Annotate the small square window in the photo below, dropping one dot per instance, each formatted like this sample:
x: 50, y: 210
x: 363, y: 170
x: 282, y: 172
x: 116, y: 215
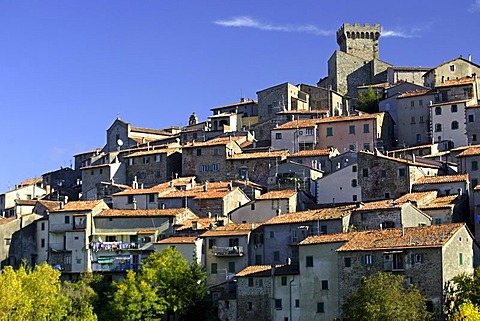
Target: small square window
x: 249, y: 306
x: 402, y: 172
x: 366, y: 128
x: 199, y: 152
x: 354, y: 168
x: 324, y: 284
x: 250, y: 282
x: 454, y: 108
x: 278, y: 135
x: 284, y: 280
x: 365, y: 172
x: 351, y: 129
x: 278, y: 304
x: 297, y: 303
x: 276, y: 256
x: 309, y: 261
x: 329, y: 131
x: 213, y: 268
x: 320, y: 307
x: 348, y: 262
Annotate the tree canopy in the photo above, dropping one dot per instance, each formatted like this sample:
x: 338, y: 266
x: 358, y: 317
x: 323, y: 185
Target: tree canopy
x: 368, y: 102
x: 165, y: 284
x: 463, y: 288
x: 384, y: 297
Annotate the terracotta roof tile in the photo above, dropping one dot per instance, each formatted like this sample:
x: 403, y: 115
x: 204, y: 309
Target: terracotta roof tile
x: 441, y: 179
x: 441, y: 202
x: 202, y: 224
x: 246, y: 102
x: 327, y: 238
x: 377, y: 205
x: 26, y: 202
x: 50, y: 205
x: 299, y: 123
x: 470, y: 151
x: 143, y: 213
x: 312, y: 152
x: 473, y: 106
x: 349, y: 118
x: 333, y: 213
x: 415, y: 93
x: 401, y: 160
x: 456, y: 82
x: 153, y: 152
x: 410, y: 237
x: 266, y: 270
x: 79, y: 206
x: 231, y: 229
x: 216, y: 141
x: 178, y: 240
x: 417, y: 196
x: 272, y: 154
x: 287, y: 193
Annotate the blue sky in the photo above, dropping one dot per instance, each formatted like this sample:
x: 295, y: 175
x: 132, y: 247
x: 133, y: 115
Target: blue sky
x: 68, y: 68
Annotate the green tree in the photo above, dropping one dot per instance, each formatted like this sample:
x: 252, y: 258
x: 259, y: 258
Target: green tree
x: 384, y: 297
x: 467, y: 311
x: 166, y: 284
x: 368, y: 102
x: 81, y: 298
x: 462, y: 288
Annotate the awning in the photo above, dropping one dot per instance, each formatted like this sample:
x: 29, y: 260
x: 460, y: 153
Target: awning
x: 105, y: 260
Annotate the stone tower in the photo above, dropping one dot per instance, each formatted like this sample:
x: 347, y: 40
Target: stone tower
x: 360, y: 41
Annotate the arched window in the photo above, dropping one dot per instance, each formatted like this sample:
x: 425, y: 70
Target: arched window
x: 348, y: 34
x: 454, y: 124
x: 362, y: 35
x: 358, y: 34
x: 371, y: 35
x: 367, y: 35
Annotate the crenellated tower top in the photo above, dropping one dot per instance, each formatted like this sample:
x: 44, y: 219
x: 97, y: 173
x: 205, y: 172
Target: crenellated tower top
x: 359, y: 40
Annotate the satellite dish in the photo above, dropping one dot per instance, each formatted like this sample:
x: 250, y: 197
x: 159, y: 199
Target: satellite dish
x: 119, y: 142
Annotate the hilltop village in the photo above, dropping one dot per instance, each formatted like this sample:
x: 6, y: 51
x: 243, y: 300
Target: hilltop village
x: 286, y: 200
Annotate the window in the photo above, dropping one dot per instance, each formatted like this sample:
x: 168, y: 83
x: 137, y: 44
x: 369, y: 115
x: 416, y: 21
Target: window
x: 402, y: 172
x: 252, y: 206
x: 199, y: 152
x: 383, y: 173
x: 320, y: 307
x: 454, y: 124
x: 348, y: 262
x: 215, y: 152
x: 471, y: 118
x: 276, y: 256
x: 151, y: 198
x: 42, y: 226
x: 366, y: 128
x: 42, y: 243
x: 278, y: 135
x: 454, y: 108
x: 387, y: 195
x: 213, y: 268
x: 211, y: 243
x: 249, y: 306
x: 67, y: 219
x: 351, y: 147
x: 272, y: 234
x: 393, y: 261
x: 420, y: 102
x: 460, y: 258
x: 412, y: 103
x: 438, y: 110
x: 297, y: 303
x: 419, y: 138
x: 417, y: 258
x: 231, y: 267
x: 421, y: 119
x: 323, y: 229
x: 329, y: 131
x: 474, y: 165
x: 366, y: 146
x: 284, y: 280
x: 309, y: 261
x: 215, y: 167
x: 412, y: 121
x: 365, y: 172
x: 438, y: 220
x: 250, y: 282
x: 354, y: 168
x: 146, y: 159
x: 368, y: 259
x: 309, y: 131
x: 227, y: 304
x: 474, y: 137
x: 452, y: 67
x: 438, y: 127
x: 354, y: 198
x: 158, y: 158
x: 130, y: 161
x: 354, y: 183
x: 204, y: 168
x: 324, y: 284
x: 351, y: 129
x: 278, y: 304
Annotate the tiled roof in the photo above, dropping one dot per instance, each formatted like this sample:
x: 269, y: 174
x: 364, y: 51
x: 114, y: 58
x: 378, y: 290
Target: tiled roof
x: 299, y: 123
x: 287, y: 193
x: 448, y: 103
x: 327, y: 238
x: 231, y: 229
x: 178, y: 240
x: 470, y: 151
x: 202, y: 224
x: 153, y: 152
x: 332, y: 213
x: 272, y: 154
x: 143, y: 213
x: 395, y: 239
x: 441, y: 179
x: 303, y: 112
x: 477, y: 188
x: 456, y: 82
x: 26, y: 202
x: 146, y: 232
x: 415, y: 93
x: 214, y: 190
x: 216, y: 141
x: 377, y: 205
x: 401, y: 160
x: 416, y: 196
x: 312, y: 152
x: 50, y: 205
x: 150, y: 131
x: 79, y: 206
x: 349, y: 118
x: 441, y: 202
x: 246, y: 102
x: 30, y: 181
x: 266, y: 270
x: 160, y: 188
x: 473, y: 106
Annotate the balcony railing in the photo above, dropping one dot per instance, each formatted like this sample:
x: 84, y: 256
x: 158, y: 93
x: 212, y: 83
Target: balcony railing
x: 228, y: 251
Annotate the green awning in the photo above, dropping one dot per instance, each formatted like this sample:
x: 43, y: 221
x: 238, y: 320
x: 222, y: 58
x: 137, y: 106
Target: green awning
x: 105, y: 260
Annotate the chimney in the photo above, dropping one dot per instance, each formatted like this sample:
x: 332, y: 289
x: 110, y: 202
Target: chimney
x: 289, y: 261
x: 469, y: 57
x: 62, y: 205
x: 205, y: 186
x: 413, y: 158
x: 134, y: 204
x: 229, y: 187
x: 65, y: 199
x: 194, y: 225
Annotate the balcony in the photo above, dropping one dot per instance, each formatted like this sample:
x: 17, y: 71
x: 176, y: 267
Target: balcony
x: 112, y: 246
x: 228, y: 251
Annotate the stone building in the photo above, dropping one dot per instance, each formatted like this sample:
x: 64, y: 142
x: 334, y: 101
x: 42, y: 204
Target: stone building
x: 246, y: 109
x: 208, y: 160
x: 296, y: 135
x: 276, y: 239
x: 254, y: 166
x: 190, y: 247
x: 383, y: 177
x: 473, y: 124
x: 326, y: 100
x: 267, y: 292
x: 27, y: 192
x: 340, y: 186
x: 154, y: 166
x: 320, y: 159
x: 451, y: 70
